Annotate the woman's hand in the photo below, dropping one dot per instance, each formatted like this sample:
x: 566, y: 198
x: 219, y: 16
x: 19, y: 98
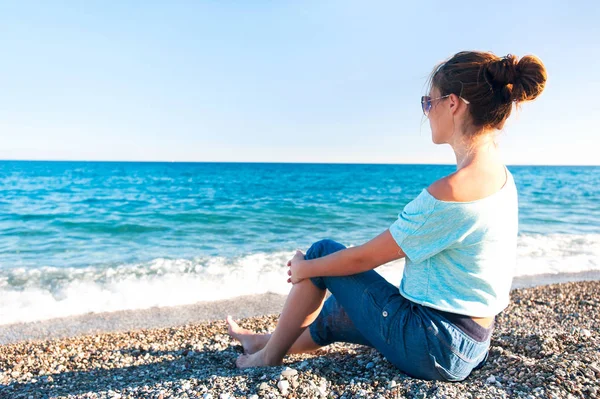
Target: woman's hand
x: 297, y: 265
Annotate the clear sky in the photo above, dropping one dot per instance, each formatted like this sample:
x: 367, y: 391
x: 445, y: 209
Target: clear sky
x: 280, y: 81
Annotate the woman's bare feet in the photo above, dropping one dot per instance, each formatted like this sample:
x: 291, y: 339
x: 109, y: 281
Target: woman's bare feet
x: 255, y: 360
x: 251, y: 341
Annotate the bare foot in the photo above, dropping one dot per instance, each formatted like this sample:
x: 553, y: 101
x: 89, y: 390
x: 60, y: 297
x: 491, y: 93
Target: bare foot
x: 251, y: 341
x: 255, y: 360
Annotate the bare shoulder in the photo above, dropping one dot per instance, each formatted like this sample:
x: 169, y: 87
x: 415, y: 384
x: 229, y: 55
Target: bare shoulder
x: 444, y: 189
x: 468, y: 184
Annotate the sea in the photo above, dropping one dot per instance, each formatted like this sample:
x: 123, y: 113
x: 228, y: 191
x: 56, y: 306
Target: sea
x: 81, y: 237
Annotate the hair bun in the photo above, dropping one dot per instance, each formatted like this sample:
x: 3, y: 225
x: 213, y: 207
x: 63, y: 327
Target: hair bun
x: 516, y: 80
x: 531, y: 79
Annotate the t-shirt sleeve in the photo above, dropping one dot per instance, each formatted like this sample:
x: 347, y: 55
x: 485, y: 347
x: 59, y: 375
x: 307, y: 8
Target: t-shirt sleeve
x: 424, y: 228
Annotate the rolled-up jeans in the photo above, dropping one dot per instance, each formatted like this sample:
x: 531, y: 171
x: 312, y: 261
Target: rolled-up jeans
x: 366, y: 309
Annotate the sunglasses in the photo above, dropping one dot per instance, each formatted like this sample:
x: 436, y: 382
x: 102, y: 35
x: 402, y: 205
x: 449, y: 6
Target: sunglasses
x: 426, y: 103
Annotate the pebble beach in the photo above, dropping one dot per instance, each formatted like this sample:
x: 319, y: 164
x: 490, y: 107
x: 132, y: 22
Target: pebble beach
x: 546, y: 345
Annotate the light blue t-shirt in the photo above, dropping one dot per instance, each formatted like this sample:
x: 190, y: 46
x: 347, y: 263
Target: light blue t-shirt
x: 461, y: 256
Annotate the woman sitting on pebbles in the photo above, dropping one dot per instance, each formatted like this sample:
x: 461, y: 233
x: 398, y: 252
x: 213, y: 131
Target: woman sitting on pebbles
x: 459, y: 237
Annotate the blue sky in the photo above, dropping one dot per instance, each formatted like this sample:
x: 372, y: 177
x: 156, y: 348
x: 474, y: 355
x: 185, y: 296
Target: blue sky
x: 280, y: 81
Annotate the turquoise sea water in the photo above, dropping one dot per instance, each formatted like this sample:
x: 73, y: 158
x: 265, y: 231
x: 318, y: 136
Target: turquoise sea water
x: 96, y: 236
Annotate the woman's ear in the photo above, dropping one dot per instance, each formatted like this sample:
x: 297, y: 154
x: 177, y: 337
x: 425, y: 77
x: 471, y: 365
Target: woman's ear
x: 453, y: 103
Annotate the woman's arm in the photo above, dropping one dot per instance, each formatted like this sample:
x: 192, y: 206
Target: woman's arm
x: 378, y: 251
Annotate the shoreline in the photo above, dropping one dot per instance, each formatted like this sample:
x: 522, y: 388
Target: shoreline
x: 545, y: 344
x: 173, y: 316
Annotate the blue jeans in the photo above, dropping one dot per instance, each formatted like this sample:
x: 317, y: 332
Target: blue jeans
x: 366, y: 309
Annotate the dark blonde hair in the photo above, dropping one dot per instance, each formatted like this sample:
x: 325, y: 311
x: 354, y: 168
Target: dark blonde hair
x: 490, y: 83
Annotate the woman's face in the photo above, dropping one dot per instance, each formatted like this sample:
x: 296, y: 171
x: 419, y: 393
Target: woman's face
x: 440, y: 118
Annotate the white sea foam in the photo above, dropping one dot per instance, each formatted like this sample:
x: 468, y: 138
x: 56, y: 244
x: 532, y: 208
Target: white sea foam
x: 30, y: 295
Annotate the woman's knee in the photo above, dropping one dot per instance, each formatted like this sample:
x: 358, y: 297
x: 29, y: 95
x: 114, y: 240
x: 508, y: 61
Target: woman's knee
x: 322, y: 248
x: 319, y: 249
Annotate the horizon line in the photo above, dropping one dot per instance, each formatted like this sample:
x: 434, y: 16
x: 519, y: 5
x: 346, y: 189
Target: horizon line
x: 265, y: 162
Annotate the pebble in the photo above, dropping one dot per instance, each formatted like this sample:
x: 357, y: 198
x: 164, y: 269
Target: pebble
x: 321, y: 391
x: 288, y: 372
x: 585, y: 332
x: 491, y: 379
x: 370, y: 365
x: 263, y: 386
x: 283, y: 386
x: 303, y: 365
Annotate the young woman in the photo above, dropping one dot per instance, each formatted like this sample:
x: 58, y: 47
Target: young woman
x: 459, y: 237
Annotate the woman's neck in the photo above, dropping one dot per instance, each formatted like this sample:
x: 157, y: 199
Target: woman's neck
x: 483, y: 150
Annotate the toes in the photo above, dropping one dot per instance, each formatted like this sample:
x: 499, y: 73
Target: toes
x: 231, y: 323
